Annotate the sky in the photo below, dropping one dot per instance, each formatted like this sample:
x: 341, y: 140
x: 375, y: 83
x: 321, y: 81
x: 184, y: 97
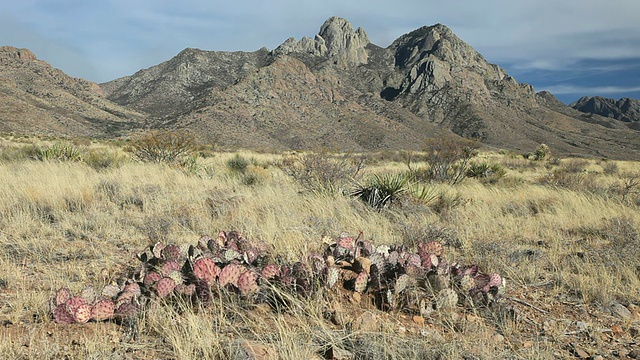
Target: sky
x: 572, y: 48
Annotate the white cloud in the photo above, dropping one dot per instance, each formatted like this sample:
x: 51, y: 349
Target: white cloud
x: 570, y: 89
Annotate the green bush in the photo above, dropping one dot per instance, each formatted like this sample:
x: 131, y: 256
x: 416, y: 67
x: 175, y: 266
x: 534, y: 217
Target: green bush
x: 542, y: 152
x: 238, y: 164
x: 486, y: 172
x: 382, y: 190
x: 101, y: 159
x: 60, y: 151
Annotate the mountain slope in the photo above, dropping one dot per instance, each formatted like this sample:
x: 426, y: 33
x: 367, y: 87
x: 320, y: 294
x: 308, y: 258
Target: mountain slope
x: 340, y: 91
x: 36, y: 98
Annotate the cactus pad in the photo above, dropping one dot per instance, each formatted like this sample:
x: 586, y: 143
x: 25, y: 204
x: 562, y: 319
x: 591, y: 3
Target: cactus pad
x: 431, y: 247
x: 62, y: 315
x: 247, y: 283
x: 230, y: 274
x: 82, y: 314
x: 62, y: 295
x: 103, y: 310
x: 270, y: 272
x: 446, y: 299
x: 74, y: 303
x: 151, y: 278
x: 169, y: 267
x: 165, y: 286
x: 360, y: 284
x: 206, y: 269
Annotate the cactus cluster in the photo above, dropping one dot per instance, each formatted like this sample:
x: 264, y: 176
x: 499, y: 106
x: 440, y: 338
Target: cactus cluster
x: 112, y: 302
x: 420, y: 281
x: 392, y: 277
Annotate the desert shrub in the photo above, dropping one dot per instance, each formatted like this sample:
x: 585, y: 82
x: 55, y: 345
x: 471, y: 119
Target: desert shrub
x: 628, y: 190
x: 448, y: 159
x: 162, y: 146
x: 610, y: 167
x: 542, y: 152
x: 60, y: 151
x: 100, y: 159
x: 18, y: 153
x: 322, y: 172
x: 238, y: 164
x: 575, y: 165
x: 382, y: 190
x: 447, y: 201
x: 573, y: 181
x: 254, y: 175
x: 486, y: 172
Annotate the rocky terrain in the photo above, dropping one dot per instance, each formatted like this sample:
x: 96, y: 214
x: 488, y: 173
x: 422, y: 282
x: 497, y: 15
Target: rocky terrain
x: 336, y: 91
x: 625, y: 109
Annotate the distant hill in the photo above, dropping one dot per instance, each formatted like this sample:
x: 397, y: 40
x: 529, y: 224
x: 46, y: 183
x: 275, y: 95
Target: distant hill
x: 336, y: 90
x: 625, y: 109
x: 36, y: 98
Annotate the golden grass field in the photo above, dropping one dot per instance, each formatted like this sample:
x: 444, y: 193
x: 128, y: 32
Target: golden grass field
x: 568, y: 247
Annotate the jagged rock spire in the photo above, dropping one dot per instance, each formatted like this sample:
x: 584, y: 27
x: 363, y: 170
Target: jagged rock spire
x: 336, y: 40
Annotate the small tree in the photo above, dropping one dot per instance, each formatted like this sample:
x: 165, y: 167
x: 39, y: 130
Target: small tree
x: 162, y: 146
x: 448, y: 159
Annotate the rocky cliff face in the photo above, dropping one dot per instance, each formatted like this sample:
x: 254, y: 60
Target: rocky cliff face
x: 625, y: 109
x: 39, y: 99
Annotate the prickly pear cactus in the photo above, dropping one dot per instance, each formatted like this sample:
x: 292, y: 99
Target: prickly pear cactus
x: 248, y: 283
x: 165, y: 286
x: 206, y: 269
x: 103, y: 310
x: 230, y: 274
x: 393, y: 276
x: 360, y: 284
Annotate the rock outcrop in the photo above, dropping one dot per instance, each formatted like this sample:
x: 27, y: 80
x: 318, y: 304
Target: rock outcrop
x: 625, y: 109
x: 336, y: 41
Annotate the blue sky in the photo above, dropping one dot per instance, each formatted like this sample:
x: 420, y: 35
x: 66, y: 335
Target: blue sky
x: 569, y: 47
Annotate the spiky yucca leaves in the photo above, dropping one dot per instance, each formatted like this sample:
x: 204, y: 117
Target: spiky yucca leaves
x: 382, y: 190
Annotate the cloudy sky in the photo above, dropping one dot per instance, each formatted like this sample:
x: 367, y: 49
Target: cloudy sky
x: 569, y: 47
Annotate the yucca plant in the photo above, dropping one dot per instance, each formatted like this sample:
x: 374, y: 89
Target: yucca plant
x: 59, y: 151
x: 382, y: 190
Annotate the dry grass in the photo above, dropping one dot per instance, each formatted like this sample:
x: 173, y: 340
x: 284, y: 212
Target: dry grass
x: 563, y: 250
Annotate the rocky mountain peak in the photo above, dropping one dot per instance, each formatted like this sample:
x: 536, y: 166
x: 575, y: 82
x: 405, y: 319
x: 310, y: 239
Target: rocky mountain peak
x: 337, y: 40
x: 11, y: 54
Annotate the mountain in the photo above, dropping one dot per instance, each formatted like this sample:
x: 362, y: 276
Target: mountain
x: 340, y: 91
x: 36, y: 98
x: 625, y: 109
x: 336, y: 90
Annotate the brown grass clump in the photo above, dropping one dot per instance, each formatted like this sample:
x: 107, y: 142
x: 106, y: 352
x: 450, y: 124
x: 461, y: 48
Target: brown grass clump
x: 568, y: 253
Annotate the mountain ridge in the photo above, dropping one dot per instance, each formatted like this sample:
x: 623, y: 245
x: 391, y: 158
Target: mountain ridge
x: 338, y: 90
x: 624, y: 109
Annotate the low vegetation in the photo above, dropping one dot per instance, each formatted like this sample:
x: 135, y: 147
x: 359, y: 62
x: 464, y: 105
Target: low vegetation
x: 564, y: 235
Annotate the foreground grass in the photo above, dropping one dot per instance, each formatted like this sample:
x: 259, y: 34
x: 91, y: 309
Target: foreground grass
x: 565, y: 249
